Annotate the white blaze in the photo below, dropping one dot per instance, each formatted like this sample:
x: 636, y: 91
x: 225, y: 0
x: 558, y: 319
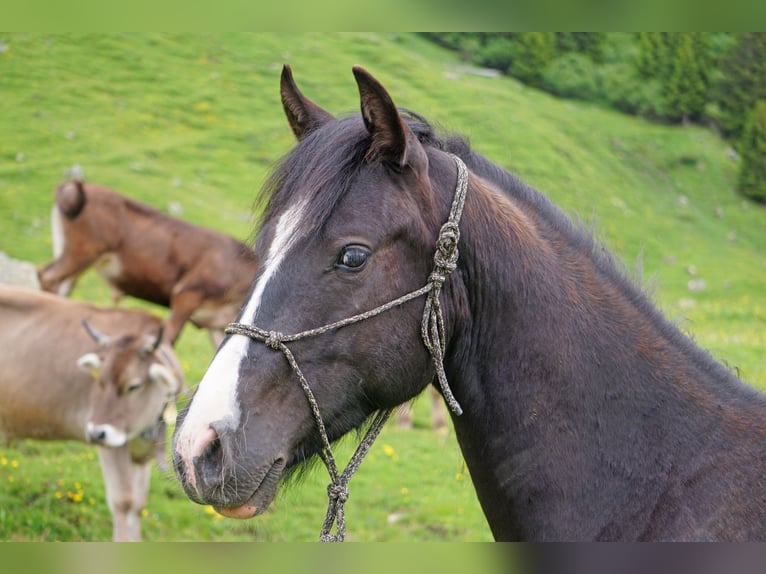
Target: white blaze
x: 215, y: 399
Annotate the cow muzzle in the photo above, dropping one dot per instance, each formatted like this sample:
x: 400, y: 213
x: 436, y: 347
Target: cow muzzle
x: 105, y: 435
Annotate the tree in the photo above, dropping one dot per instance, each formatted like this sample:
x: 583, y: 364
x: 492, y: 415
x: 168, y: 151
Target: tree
x: 742, y: 82
x: 751, y: 179
x: 686, y: 86
x: 589, y: 43
x: 652, y: 56
x: 532, y: 51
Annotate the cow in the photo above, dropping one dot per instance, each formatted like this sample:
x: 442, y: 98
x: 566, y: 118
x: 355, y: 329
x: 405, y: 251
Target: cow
x: 202, y: 275
x: 73, y: 371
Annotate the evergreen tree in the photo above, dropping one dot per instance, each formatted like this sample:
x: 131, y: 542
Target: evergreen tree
x: 652, y: 55
x: 685, y: 88
x: 589, y: 43
x: 532, y: 52
x: 751, y: 179
x: 742, y: 83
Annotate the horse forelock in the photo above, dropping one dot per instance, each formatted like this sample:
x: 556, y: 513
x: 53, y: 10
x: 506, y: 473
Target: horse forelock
x: 322, y: 166
x: 317, y: 171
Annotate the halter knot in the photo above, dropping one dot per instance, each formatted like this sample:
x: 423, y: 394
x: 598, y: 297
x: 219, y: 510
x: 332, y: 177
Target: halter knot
x: 437, y: 277
x: 274, y: 340
x: 337, y: 492
x: 446, y: 253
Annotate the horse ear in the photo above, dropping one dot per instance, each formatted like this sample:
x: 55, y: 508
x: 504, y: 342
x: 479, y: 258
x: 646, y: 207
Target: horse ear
x: 392, y: 139
x: 303, y: 115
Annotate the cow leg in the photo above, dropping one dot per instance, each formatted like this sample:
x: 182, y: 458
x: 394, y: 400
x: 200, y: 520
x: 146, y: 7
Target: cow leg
x: 182, y: 305
x: 404, y: 416
x: 127, y: 490
x: 438, y: 412
x: 59, y: 276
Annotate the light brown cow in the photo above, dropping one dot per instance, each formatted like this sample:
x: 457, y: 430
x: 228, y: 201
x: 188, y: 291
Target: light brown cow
x: 57, y: 383
x: 200, y: 274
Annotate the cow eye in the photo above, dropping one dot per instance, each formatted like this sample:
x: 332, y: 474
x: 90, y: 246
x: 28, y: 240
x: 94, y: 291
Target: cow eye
x: 352, y: 257
x: 135, y: 385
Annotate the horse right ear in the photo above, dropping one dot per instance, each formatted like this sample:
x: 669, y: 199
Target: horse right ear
x: 392, y: 140
x: 303, y: 115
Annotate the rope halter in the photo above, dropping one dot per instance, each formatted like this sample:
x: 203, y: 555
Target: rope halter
x: 432, y: 333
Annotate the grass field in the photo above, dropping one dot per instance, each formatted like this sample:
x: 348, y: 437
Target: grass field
x: 193, y: 123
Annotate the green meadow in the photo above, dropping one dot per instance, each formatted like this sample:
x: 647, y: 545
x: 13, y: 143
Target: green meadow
x: 192, y: 124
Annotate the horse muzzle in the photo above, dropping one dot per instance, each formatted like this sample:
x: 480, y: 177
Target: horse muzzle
x: 236, y: 484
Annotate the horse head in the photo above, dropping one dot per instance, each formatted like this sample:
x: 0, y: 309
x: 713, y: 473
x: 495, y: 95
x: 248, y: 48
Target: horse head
x: 351, y: 220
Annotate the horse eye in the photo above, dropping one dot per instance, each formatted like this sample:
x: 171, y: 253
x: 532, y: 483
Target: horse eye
x: 352, y: 257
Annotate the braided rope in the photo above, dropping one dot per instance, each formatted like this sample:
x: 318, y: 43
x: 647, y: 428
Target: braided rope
x: 432, y: 333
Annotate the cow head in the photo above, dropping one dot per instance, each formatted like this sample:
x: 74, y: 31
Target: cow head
x: 136, y: 381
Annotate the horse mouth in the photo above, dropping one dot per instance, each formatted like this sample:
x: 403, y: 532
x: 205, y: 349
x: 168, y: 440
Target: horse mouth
x: 261, y: 497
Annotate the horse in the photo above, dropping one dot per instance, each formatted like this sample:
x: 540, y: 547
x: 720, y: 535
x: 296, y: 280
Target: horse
x: 582, y: 413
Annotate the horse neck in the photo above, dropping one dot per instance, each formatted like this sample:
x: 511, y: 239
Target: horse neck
x: 563, y: 370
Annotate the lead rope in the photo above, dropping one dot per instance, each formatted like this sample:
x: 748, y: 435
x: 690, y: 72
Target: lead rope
x: 432, y: 332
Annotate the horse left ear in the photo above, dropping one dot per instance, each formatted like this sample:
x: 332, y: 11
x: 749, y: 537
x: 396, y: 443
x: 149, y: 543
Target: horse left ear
x: 392, y: 140
x: 303, y: 115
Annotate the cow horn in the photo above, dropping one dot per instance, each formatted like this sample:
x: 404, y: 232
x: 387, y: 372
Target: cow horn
x: 100, y: 338
x: 158, y: 341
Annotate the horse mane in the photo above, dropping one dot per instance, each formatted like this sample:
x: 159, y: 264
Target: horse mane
x: 324, y: 164
x: 580, y: 237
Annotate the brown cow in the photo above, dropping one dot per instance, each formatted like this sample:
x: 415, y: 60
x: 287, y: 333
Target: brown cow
x: 131, y: 379
x: 200, y: 274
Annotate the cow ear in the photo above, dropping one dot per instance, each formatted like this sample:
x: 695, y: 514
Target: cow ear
x: 393, y: 142
x: 162, y: 375
x: 303, y: 115
x: 90, y: 363
x: 152, y: 343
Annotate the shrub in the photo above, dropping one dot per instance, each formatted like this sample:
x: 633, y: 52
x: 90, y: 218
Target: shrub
x: 532, y: 52
x: 496, y: 53
x: 572, y: 75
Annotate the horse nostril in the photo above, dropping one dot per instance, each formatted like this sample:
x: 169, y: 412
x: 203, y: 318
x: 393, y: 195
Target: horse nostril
x: 209, y: 458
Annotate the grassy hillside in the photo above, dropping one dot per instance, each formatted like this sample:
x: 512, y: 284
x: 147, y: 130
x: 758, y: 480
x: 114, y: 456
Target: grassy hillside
x: 194, y: 122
